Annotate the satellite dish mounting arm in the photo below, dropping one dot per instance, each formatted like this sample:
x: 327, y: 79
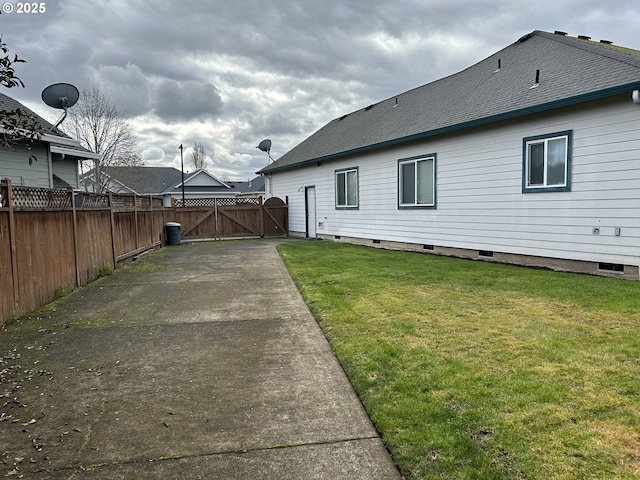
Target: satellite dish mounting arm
x: 265, y: 146
x: 62, y: 96
x: 64, y: 104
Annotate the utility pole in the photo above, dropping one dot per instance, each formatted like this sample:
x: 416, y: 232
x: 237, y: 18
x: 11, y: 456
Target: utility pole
x: 182, y: 169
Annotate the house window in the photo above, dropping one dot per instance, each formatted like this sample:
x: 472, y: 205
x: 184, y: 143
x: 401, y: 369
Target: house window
x: 547, y: 162
x: 417, y: 182
x: 347, y: 188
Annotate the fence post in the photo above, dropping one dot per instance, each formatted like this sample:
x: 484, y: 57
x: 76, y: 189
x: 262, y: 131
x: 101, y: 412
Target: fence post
x: 12, y: 243
x: 164, y: 221
x: 113, y: 231
x: 135, y: 221
x: 286, y: 216
x: 75, y: 236
x: 261, y: 219
x: 152, y: 231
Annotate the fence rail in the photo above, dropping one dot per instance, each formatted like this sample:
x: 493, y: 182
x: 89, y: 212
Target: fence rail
x: 231, y: 217
x: 52, y: 241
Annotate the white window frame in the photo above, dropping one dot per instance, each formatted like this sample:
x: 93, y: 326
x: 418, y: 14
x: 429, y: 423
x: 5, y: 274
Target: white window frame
x: 415, y: 161
x: 346, y: 205
x: 544, y: 140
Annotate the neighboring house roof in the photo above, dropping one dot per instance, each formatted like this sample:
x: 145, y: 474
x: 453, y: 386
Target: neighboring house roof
x: 144, y: 180
x: 60, y: 142
x: 202, y: 182
x: 254, y: 185
x: 59, y: 182
x: 539, y: 72
x: 8, y: 103
x: 162, y: 180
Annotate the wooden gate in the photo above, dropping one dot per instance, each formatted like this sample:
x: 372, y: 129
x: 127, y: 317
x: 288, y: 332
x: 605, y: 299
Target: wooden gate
x: 230, y: 217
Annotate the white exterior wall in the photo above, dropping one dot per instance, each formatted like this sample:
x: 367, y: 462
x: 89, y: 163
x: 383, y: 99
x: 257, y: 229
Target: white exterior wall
x: 480, y: 204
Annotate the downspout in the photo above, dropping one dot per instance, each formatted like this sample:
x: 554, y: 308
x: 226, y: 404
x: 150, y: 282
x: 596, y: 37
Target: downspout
x: 50, y: 165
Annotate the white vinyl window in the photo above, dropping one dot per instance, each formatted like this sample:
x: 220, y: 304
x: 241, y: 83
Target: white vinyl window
x: 546, y: 162
x: 347, y: 188
x: 417, y: 182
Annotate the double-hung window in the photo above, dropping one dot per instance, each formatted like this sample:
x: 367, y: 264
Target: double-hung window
x: 547, y: 163
x: 417, y: 182
x: 347, y: 188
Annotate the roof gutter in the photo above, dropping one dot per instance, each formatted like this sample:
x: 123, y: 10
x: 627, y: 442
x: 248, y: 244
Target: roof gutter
x: 75, y: 153
x: 522, y: 112
x: 71, y: 142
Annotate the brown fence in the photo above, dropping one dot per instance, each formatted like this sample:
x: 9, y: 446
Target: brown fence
x: 231, y: 217
x: 54, y: 240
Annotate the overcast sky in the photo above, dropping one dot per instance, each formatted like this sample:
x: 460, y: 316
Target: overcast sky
x: 230, y: 73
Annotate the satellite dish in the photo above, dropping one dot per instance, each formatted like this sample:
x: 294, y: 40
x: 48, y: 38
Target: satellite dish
x: 265, y: 146
x: 60, y: 95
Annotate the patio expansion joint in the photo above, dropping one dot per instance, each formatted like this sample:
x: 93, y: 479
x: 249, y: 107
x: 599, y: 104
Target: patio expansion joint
x: 204, y: 455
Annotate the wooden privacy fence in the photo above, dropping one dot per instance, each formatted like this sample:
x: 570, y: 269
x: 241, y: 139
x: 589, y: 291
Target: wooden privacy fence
x: 231, y: 217
x: 52, y: 241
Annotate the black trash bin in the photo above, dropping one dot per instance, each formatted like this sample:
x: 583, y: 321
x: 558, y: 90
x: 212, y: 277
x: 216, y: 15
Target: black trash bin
x: 173, y: 233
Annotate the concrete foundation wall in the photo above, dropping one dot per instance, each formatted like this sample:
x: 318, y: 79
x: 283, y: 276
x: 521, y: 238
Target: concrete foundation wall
x: 629, y: 272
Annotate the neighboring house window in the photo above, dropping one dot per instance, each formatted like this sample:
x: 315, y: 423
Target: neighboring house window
x: 417, y: 182
x: 347, y: 188
x: 547, y: 163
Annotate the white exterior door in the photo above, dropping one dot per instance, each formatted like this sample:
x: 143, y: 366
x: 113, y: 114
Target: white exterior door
x: 310, y: 207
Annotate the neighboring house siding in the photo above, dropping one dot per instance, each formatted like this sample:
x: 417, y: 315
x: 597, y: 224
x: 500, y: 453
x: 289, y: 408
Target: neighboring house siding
x: 15, y: 166
x: 67, y: 170
x: 480, y: 203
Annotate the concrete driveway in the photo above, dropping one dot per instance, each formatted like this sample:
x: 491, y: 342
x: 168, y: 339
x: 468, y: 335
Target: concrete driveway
x: 198, y: 361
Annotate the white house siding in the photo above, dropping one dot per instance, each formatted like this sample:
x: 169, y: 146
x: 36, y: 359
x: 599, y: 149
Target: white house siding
x: 14, y: 164
x: 480, y: 204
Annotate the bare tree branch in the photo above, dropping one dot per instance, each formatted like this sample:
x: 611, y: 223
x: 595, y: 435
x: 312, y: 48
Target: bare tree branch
x: 198, y: 156
x: 100, y: 127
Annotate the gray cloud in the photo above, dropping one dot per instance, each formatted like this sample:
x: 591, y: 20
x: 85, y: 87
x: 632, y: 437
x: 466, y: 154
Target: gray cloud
x: 176, y: 101
x: 228, y: 74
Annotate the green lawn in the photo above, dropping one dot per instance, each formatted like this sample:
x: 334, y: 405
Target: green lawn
x: 479, y: 370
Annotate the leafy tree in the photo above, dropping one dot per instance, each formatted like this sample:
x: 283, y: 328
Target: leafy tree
x: 19, y: 127
x: 198, y: 156
x: 100, y: 127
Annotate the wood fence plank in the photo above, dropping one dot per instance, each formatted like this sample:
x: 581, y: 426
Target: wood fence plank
x: 52, y: 243
x: 225, y: 212
x: 12, y: 242
x: 267, y: 210
x: 198, y: 222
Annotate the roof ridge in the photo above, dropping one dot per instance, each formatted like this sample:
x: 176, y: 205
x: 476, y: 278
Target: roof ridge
x: 603, y: 49
x: 576, y: 72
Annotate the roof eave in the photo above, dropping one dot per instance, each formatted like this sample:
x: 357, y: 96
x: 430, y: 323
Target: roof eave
x: 75, y: 153
x: 510, y: 115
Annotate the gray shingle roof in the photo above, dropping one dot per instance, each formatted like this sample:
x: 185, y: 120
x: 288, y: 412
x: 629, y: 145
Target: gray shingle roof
x: 254, y: 185
x: 145, y: 180
x: 570, y: 71
x: 8, y: 103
